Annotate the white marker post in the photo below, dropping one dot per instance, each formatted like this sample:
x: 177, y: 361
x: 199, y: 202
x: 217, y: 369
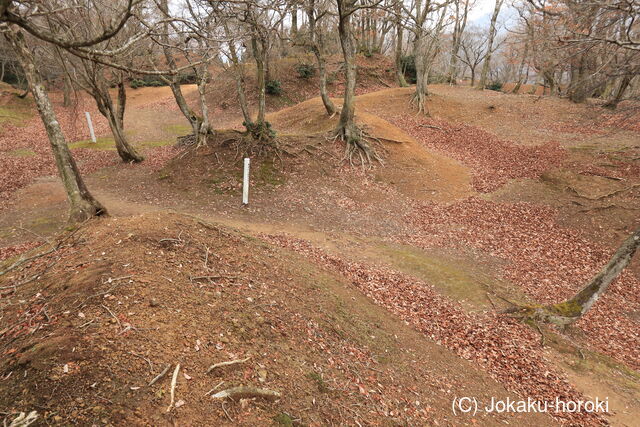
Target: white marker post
x: 93, y: 134
x: 245, y: 182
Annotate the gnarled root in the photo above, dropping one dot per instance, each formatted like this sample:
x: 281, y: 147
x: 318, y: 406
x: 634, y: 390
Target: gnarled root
x: 357, y: 145
x: 419, y: 101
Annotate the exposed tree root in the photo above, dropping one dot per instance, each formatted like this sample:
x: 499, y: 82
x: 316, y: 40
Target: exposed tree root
x: 359, y: 150
x: 419, y: 100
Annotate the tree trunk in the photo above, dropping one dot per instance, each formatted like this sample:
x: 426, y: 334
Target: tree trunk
x: 258, y: 54
x: 67, y: 90
x: 622, y: 87
x: 194, y: 120
x: 239, y: 75
x: 518, y: 84
x: 402, y: 82
x: 419, y: 54
x: 115, y: 118
x: 346, y: 126
x: 82, y: 205
x: 204, y: 130
x: 318, y: 48
x: 573, y: 309
x: 294, y: 21
x: 492, y: 34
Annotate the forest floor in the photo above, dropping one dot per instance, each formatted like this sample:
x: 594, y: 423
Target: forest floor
x: 363, y: 296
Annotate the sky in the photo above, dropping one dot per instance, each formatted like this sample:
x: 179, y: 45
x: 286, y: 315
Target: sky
x: 481, y: 13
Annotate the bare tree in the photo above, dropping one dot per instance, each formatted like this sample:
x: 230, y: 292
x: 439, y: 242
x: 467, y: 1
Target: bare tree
x: 81, y: 203
x: 315, y: 13
x: 474, y: 50
x: 490, y: 47
x: 461, y: 8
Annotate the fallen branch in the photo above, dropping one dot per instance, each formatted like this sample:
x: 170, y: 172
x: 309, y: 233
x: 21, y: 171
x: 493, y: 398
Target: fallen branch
x: 244, y: 392
x: 112, y: 315
x: 228, y: 363
x: 160, y: 375
x: 23, y: 420
x: 214, y: 389
x: 174, y: 380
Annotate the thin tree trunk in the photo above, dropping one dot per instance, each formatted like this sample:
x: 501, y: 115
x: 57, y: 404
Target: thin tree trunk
x: 326, y: 100
x: 82, y: 205
x: 402, y: 82
x: 67, y: 90
x: 317, y: 48
x: 622, y: 87
x: 347, y: 126
x: 294, y: 21
x: 205, y: 128
x: 194, y: 120
x: 258, y: 54
x: 492, y: 34
x: 518, y: 84
x: 574, y: 308
x: 125, y: 150
x: 239, y: 75
x: 419, y: 54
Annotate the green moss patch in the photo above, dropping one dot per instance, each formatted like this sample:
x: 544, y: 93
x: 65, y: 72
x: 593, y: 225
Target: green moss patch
x: 103, y: 143
x: 14, y: 116
x: 22, y: 152
x: 177, y: 129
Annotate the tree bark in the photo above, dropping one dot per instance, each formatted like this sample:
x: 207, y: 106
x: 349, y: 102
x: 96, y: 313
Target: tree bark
x: 419, y: 54
x: 82, y: 205
x: 67, y: 90
x: 346, y: 125
x: 518, y: 84
x: 317, y: 46
x: 622, y: 87
x: 259, y: 50
x: 402, y: 82
x: 194, y: 119
x: 294, y: 21
x: 239, y: 75
x: 573, y: 309
x: 492, y: 34
x: 115, y: 116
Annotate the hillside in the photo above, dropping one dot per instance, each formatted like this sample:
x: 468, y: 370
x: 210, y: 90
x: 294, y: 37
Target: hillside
x: 363, y: 296
x: 124, y: 298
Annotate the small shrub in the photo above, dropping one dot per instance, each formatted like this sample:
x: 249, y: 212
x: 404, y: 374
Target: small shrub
x: 187, y: 77
x: 305, y: 71
x: 135, y: 84
x: 497, y: 86
x: 273, y: 87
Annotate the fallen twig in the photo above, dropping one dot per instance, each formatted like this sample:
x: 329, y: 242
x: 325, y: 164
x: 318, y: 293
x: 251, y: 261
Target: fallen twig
x: 143, y: 358
x: 174, y: 380
x: 214, y: 389
x: 160, y: 375
x: 246, y: 392
x: 228, y: 363
x: 112, y: 315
